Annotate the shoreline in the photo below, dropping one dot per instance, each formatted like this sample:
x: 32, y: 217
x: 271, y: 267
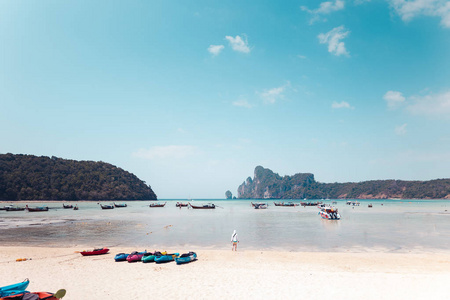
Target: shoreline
x: 221, y: 274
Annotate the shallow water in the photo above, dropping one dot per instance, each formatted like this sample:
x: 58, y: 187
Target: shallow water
x: 391, y: 225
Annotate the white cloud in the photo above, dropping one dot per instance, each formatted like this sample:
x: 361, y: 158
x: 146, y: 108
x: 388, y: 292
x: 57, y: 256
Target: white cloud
x: 408, y: 10
x: 324, y: 8
x: 301, y: 56
x: 394, y: 99
x: 333, y: 39
x: 401, y: 129
x: 215, y: 49
x: 342, y: 104
x: 166, y: 152
x: 238, y: 44
x: 272, y: 95
x: 433, y: 105
x: 242, y: 103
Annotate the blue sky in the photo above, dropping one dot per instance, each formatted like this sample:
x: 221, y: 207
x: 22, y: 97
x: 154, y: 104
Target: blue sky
x: 191, y: 96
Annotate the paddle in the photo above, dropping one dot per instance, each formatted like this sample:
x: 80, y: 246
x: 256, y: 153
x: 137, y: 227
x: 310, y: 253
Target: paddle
x: 60, y: 294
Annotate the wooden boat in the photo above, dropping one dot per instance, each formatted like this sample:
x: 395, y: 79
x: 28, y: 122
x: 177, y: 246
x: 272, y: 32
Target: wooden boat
x: 36, y: 209
x: 157, y: 204
x: 285, y: 204
x: 107, y: 206
x: 15, y: 208
x: 5, y: 207
x: 120, y: 204
x: 186, y: 258
x: 329, y: 213
x: 67, y: 206
x: 181, y: 204
x: 121, y: 257
x: 166, y: 258
x: 135, y: 256
x: 310, y: 203
x: 14, y: 288
x: 150, y: 257
x: 95, y: 252
x: 205, y: 206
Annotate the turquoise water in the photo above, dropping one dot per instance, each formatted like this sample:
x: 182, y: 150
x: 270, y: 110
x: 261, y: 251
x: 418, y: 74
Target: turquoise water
x: 391, y: 225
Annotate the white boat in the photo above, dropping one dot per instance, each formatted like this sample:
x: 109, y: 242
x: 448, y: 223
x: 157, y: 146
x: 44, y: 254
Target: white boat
x: 329, y: 213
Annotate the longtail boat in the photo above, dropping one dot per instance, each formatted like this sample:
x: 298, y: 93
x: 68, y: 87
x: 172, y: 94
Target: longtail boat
x: 120, y: 204
x: 157, y: 204
x: 181, y: 204
x: 36, y: 209
x: 285, y: 204
x: 205, y: 206
x: 14, y: 208
x: 107, y: 206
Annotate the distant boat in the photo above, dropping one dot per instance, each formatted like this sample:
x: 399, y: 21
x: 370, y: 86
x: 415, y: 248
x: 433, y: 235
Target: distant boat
x: 205, y: 206
x: 120, y: 204
x: 67, y: 206
x: 158, y: 204
x: 370, y: 205
x: 75, y: 208
x: 261, y: 206
x: 5, y: 207
x: 36, y: 209
x: 329, y: 213
x: 14, y: 208
x: 285, y: 204
x: 107, y: 206
x: 181, y: 204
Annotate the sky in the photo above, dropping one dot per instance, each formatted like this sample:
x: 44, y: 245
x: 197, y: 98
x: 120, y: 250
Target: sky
x: 191, y: 96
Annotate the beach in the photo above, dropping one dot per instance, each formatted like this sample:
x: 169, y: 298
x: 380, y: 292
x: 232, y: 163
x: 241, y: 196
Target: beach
x: 223, y: 274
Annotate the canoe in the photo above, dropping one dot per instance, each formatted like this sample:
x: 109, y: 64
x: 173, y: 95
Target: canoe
x: 36, y: 209
x: 121, y: 257
x: 186, y: 258
x: 67, y: 206
x: 135, y: 256
x: 150, y: 257
x: 166, y: 258
x: 206, y: 206
x: 95, y: 252
x: 120, y: 204
x: 16, y: 288
x: 107, y: 206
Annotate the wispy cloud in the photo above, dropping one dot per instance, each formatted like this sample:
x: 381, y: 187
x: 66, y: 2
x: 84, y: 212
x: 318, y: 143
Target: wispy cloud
x: 401, y: 129
x: 408, y: 10
x: 324, y: 8
x: 273, y: 95
x: 242, y: 103
x: 343, y: 104
x: 238, y: 44
x: 393, y: 99
x: 301, y: 56
x: 215, y: 49
x: 434, y: 105
x: 333, y: 39
x: 166, y: 152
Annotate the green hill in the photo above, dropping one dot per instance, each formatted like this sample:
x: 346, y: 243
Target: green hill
x: 269, y: 185
x: 29, y: 177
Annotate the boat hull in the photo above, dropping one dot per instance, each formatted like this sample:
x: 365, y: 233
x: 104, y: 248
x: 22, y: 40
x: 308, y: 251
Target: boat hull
x: 165, y: 258
x: 121, y: 257
x: 186, y: 258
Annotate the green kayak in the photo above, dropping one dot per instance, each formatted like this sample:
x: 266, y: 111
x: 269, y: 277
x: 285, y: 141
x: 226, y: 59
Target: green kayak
x: 150, y: 257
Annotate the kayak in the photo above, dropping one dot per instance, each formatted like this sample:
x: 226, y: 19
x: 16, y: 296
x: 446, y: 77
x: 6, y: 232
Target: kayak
x: 186, y: 257
x: 135, y: 256
x: 150, y: 257
x: 166, y: 258
x: 13, y: 289
x: 121, y: 257
x: 95, y: 252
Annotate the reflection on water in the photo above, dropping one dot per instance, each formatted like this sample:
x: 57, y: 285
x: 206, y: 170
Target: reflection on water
x: 389, y: 225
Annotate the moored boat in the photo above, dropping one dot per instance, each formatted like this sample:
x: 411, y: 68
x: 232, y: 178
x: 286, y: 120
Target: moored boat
x: 285, y: 204
x: 98, y: 251
x: 166, y: 258
x: 16, y: 288
x: 329, y: 213
x: 14, y: 208
x: 121, y: 256
x: 107, y: 206
x: 181, y: 204
x: 36, y: 209
x: 5, y: 207
x: 186, y: 258
x: 205, y: 206
x: 260, y: 205
x: 67, y: 206
x: 120, y: 205
x: 158, y: 204
x: 135, y: 256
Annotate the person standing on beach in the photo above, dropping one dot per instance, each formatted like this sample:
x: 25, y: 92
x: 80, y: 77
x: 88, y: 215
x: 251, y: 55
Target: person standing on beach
x: 234, y: 241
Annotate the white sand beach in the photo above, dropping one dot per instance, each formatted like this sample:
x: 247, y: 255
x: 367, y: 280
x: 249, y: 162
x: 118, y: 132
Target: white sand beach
x: 223, y: 274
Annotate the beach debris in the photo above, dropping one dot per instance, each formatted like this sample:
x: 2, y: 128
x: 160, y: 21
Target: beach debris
x: 23, y: 259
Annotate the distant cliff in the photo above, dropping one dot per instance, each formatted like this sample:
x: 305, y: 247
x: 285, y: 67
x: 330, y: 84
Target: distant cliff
x: 29, y: 177
x: 269, y: 185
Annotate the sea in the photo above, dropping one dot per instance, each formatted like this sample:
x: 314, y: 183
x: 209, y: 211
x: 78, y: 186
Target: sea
x: 388, y: 226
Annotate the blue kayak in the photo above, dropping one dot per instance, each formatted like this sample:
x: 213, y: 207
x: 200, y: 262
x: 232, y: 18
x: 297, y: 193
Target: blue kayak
x: 186, y: 257
x: 166, y: 258
x: 14, y: 288
x: 121, y: 257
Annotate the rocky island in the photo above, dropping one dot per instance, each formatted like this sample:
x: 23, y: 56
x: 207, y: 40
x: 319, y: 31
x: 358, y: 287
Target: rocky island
x: 269, y: 185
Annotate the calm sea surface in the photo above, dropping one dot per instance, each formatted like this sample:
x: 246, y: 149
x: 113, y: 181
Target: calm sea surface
x: 391, y: 225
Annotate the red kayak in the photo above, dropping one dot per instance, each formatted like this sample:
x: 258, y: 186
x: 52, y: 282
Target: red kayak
x: 95, y: 252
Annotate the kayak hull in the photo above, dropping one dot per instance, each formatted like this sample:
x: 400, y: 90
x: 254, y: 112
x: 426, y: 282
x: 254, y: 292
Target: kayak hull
x: 186, y: 258
x: 13, y: 289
